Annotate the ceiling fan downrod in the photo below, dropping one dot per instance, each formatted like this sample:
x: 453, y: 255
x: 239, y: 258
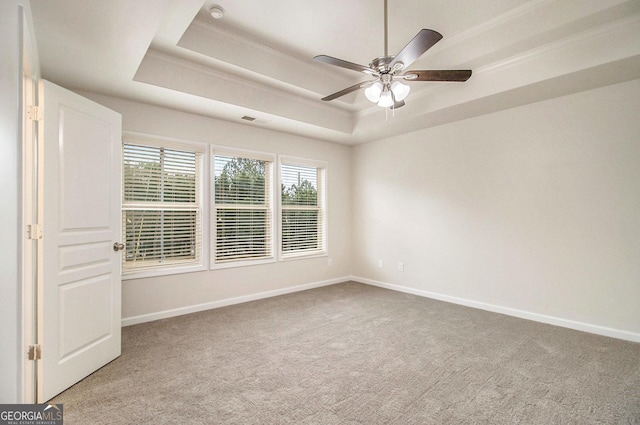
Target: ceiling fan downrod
x: 386, y: 30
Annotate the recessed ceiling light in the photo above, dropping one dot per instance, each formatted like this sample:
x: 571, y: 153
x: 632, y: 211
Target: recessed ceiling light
x: 216, y: 11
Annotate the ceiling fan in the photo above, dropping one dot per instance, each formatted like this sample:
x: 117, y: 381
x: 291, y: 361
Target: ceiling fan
x: 386, y: 89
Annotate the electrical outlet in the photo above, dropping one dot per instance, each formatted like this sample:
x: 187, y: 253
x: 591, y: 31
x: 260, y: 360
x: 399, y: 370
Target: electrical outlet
x: 380, y: 264
x: 330, y: 262
x: 400, y: 267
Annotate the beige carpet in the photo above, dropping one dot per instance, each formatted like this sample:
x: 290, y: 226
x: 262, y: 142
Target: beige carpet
x: 355, y: 354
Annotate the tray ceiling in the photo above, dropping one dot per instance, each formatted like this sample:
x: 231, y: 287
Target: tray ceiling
x: 257, y: 60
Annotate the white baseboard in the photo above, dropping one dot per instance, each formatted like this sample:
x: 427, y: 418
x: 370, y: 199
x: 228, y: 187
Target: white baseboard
x: 134, y: 320
x: 557, y: 321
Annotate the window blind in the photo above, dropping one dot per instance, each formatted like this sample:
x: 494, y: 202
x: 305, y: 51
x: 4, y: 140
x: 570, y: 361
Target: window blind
x: 161, y: 207
x: 243, y: 209
x: 303, y: 215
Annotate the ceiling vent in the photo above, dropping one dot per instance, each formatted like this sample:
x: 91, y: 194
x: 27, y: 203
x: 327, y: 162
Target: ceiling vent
x: 255, y: 120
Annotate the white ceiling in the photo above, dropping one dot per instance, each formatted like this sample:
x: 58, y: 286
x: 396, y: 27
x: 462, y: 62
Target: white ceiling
x: 257, y: 60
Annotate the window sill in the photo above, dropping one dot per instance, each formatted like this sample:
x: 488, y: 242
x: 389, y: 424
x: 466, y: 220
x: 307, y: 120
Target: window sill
x: 170, y: 270
x: 304, y: 256
x: 246, y: 263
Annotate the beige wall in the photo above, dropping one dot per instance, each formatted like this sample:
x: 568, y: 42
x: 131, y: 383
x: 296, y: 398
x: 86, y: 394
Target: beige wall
x: 532, y: 211
x: 151, y: 298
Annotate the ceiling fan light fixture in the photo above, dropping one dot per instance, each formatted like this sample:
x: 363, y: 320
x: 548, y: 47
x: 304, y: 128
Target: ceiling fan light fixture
x: 400, y: 91
x: 374, y: 91
x: 386, y: 99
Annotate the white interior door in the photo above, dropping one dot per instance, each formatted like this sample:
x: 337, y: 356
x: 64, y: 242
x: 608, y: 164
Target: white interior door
x: 79, y: 305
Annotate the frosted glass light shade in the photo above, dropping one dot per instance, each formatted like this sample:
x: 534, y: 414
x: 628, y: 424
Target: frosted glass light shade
x: 373, y: 92
x: 400, y: 91
x: 386, y: 100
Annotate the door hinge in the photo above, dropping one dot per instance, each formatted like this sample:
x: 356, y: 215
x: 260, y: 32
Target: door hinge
x: 34, y: 231
x: 34, y: 113
x: 35, y: 352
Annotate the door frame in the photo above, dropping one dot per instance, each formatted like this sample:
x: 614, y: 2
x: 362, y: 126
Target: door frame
x: 31, y: 211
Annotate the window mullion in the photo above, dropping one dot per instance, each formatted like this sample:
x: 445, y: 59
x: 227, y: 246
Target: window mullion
x: 162, y: 199
x: 300, y: 208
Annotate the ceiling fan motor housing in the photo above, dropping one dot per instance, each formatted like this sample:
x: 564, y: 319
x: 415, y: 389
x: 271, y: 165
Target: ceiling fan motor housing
x: 381, y: 64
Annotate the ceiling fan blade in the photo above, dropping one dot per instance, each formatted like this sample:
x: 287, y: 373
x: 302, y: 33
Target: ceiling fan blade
x: 347, y: 90
x: 398, y: 104
x: 437, y: 75
x: 423, y: 41
x: 344, y: 64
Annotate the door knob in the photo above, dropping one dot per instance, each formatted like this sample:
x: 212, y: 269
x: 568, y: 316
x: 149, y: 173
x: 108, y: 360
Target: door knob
x: 118, y: 246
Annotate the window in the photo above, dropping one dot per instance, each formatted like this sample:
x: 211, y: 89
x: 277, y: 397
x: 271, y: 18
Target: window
x: 161, y: 206
x: 302, y: 208
x: 243, y: 208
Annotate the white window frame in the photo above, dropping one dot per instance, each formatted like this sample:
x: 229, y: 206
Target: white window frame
x: 323, y: 251
x: 200, y: 149
x: 272, y: 206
